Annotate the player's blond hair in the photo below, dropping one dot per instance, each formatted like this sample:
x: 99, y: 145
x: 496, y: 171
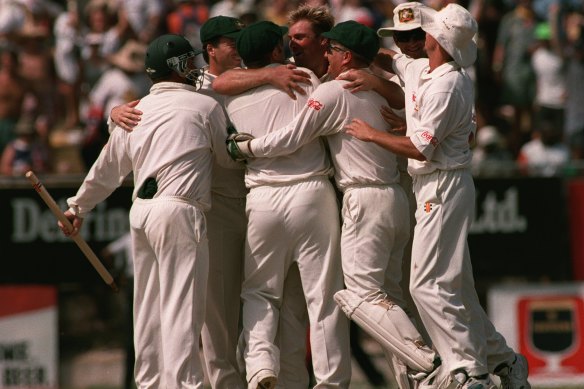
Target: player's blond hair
x: 320, y: 17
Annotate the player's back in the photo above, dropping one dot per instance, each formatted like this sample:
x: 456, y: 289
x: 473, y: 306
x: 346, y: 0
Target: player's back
x: 265, y: 109
x: 173, y: 141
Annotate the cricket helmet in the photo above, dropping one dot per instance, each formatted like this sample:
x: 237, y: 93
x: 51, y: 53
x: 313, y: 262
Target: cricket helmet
x: 169, y: 53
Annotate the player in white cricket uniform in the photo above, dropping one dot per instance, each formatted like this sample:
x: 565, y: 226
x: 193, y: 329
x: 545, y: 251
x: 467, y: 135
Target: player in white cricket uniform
x: 293, y: 217
x: 170, y: 154
x: 375, y: 207
x: 227, y: 222
x: 227, y: 225
x: 439, y: 108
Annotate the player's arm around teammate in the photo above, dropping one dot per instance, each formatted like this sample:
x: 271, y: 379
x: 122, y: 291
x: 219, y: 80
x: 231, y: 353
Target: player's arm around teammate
x: 439, y: 108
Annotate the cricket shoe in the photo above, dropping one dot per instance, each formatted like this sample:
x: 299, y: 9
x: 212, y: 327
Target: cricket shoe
x: 514, y: 376
x: 439, y: 378
x: 478, y: 382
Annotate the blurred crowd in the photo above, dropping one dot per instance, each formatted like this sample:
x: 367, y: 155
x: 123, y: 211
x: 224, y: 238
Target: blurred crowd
x: 65, y: 64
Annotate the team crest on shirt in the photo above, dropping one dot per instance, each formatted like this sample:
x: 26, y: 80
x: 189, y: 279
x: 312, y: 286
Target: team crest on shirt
x: 427, y: 207
x: 315, y: 104
x: 406, y: 15
x: 430, y: 138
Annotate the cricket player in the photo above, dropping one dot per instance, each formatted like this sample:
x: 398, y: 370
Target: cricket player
x: 375, y: 207
x: 439, y: 113
x: 227, y: 222
x: 170, y: 153
x: 292, y: 218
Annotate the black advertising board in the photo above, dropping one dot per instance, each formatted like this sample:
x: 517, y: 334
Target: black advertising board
x: 34, y: 250
x: 520, y: 231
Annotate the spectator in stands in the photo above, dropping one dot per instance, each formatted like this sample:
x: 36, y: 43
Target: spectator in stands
x: 83, y: 41
x: 145, y: 17
x: 125, y: 81
x: 186, y: 19
x: 13, y: 91
x: 513, y: 70
x: 25, y: 152
x: 573, y: 42
x: 490, y: 156
x: 548, y: 65
x: 545, y: 155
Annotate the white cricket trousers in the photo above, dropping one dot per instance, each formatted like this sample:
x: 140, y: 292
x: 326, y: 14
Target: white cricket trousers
x: 169, y: 243
x: 441, y: 281
x: 376, y: 229
x: 227, y: 225
x: 295, y: 222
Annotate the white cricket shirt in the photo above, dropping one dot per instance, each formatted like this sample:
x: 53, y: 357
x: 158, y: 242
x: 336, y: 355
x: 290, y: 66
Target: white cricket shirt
x: 175, y: 141
x: 328, y: 110
x: 439, y: 113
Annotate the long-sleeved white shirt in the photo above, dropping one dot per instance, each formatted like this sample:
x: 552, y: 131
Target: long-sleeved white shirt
x: 175, y: 142
x: 265, y: 109
x: 328, y: 110
x: 440, y: 113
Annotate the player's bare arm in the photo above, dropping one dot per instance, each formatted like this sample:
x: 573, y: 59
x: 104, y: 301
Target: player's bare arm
x: 285, y: 77
x: 384, y: 59
x: 362, y: 80
x: 126, y: 116
x: 401, y: 145
x: 397, y: 123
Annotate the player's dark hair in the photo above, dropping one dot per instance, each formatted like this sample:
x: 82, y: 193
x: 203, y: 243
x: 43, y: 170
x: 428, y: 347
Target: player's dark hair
x: 319, y: 17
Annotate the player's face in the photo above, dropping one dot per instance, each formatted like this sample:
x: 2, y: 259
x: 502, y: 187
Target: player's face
x: 411, y: 43
x: 335, y: 55
x: 225, y: 54
x: 307, y: 48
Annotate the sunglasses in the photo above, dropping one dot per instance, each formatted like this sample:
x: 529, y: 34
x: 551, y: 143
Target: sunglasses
x: 330, y: 48
x: 412, y: 35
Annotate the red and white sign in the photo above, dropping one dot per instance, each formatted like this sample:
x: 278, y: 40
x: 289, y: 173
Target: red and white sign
x: 28, y: 337
x: 546, y: 324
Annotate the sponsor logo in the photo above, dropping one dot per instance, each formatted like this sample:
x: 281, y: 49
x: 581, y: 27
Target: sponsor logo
x: 431, y: 139
x: 499, y: 215
x: 315, y: 104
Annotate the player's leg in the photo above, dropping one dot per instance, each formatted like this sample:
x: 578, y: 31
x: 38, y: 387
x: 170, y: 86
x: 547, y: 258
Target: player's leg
x: 265, y: 267
x: 440, y: 263
x: 146, y: 304
x: 183, y: 263
x: 292, y: 334
x: 314, y: 217
x: 226, y: 226
x: 375, y: 232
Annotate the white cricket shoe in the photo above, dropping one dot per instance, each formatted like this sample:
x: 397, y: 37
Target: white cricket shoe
x: 514, y: 376
x: 439, y: 378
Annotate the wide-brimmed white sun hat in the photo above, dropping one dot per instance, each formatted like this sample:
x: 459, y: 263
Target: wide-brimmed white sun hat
x: 454, y: 29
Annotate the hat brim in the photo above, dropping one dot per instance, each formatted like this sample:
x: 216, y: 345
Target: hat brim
x: 463, y: 56
x: 388, y: 31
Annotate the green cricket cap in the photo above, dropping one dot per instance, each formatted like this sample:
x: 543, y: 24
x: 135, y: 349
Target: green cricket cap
x: 355, y: 37
x: 258, y: 39
x: 219, y: 26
